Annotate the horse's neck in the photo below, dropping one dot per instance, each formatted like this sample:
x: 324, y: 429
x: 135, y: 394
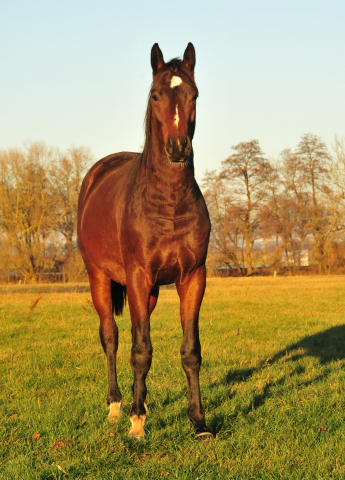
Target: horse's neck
x: 174, y: 183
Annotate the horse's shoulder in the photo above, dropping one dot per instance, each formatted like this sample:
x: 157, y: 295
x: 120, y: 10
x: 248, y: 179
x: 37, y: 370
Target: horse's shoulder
x: 106, y: 164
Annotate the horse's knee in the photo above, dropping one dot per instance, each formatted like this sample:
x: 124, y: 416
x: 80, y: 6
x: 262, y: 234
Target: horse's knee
x: 141, y: 357
x: 191, y: 355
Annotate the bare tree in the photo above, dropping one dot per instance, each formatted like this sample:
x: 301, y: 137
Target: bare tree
x: 245, y: 173
x: 296, y: 191
x: 226, y: 230
x: 273, y: 217
x: 33, y: 204
x: 315, y: 165
x: 67, y: 175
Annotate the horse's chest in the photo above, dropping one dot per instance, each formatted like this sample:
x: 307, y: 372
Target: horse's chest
x: 177, y: 247
x: 168, y: 245
x: 180, y: 233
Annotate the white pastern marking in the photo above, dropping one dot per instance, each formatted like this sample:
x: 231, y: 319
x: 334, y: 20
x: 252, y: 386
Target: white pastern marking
x: 175, y: 82
x: 176, y: 117
x: 137, y: 431
x: 114, y: 411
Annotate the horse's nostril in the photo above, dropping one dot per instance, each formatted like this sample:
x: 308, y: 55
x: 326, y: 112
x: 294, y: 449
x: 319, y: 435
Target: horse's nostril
x: 177, y: 148
x: 170, y: 145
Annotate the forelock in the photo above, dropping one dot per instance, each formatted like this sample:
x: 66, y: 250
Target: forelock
x: 175, y: 65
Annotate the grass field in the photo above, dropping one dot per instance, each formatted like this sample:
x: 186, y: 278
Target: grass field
x: 272, y: 380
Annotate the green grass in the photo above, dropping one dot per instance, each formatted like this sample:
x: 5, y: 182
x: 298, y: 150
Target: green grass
x: 272, y: 380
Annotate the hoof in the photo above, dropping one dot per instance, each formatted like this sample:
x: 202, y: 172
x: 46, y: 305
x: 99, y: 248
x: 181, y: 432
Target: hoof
x: 137, y: 431
x: 114, y: 411
x: 204, y: 435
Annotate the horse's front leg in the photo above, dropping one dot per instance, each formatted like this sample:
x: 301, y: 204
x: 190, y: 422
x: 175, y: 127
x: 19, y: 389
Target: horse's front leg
x: 140, y: 304
x: 191, y: 293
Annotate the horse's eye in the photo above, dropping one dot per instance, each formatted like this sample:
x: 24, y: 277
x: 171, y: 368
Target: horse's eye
x: 195, y: 97
x: 155, y: 98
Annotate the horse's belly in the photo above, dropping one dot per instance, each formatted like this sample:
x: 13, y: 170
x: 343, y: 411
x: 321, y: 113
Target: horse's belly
x: 100, y: 243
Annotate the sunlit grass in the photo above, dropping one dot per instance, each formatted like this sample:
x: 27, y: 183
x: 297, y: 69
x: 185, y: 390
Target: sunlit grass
x: 272, y: 385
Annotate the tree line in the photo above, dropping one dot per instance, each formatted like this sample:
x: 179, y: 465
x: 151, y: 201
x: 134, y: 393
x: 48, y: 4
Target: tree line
x: 39, y: 189
x: 259, y: 209
x: 288, y: 205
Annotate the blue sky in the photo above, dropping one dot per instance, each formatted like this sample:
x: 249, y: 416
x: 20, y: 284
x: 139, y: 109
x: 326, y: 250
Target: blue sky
x: 78, y: 72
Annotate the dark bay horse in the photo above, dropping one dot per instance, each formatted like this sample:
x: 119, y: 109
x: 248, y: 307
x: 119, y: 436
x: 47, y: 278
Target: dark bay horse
x: 143, y: 223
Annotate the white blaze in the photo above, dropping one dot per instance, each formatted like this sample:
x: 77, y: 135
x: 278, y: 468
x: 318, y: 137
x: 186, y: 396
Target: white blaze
x: 175, y: 82
x: 176, y: 117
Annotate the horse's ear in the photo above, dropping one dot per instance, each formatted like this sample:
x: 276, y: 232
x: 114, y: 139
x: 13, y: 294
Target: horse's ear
x: 157, y: 60
x: 189, y: 57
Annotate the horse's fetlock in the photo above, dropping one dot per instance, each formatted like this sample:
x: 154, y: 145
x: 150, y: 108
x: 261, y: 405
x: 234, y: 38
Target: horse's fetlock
x: 196, y: 416
x: 139, y: 407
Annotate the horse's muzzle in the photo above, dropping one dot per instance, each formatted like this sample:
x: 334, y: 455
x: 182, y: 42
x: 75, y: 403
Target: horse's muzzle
x: 178, y: 150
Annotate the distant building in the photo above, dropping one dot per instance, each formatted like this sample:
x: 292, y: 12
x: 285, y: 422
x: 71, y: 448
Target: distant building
x: 301, y: 258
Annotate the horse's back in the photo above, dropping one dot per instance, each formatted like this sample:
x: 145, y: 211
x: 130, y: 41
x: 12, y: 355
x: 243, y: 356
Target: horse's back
x: 104, y: 166
x: 102, y: 198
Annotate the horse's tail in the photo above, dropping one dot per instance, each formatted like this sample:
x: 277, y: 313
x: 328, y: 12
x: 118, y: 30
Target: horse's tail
x: 118, y: 297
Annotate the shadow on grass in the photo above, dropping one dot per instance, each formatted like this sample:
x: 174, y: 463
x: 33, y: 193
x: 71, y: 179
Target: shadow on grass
x: 327, y: 346
x: 173, y: 397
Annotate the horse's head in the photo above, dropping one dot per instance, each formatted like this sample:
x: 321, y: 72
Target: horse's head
x: 173, y: 103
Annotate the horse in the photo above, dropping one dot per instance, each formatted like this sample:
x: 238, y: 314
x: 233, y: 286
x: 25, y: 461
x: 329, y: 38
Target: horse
x: 143, y: 223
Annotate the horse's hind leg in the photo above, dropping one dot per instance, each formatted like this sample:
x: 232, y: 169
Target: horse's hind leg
x: 101, y: 296
x: 191, y: 294
x: 153, y: 299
